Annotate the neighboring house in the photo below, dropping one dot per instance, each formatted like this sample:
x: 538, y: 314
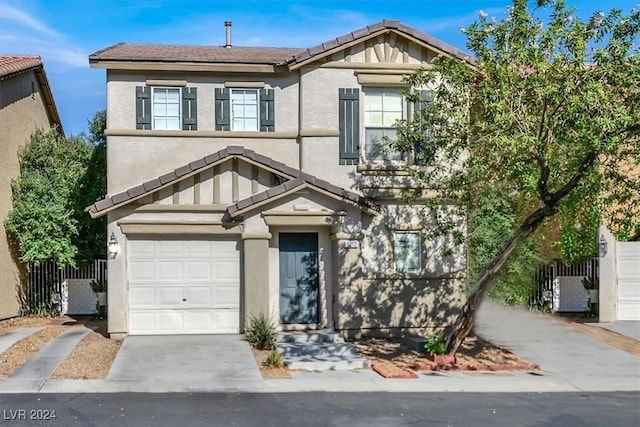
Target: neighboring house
x: 26, y: 104
x: 248, y: 180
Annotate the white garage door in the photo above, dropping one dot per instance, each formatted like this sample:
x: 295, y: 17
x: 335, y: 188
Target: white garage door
x: 183, y: 286
x: 628, y: 280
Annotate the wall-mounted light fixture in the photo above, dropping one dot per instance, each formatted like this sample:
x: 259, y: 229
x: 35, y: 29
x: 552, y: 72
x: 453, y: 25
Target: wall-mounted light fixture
x: 113, y: 247
x: 602, y: 246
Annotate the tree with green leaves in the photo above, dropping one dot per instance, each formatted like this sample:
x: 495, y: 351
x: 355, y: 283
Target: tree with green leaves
x: 92, y: 233
x: 58, y: 177
x: 543, y: 116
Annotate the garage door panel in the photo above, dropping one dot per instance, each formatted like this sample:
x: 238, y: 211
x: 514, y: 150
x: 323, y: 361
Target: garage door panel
x: 141, y: 296
x: 227, y: 321
x: 202, y: 296
x: 171, y: 320
x: 142, y: 248
x: 199, y: 320
x: 226, y: 297
x: 228, y: 248
x: 142, y: 271
x: 169, y: 271
x: 184, y: 286
x: 226, y: 270
x: 168, y: 247
x: 169, y: 296
x: 198, y: 270
x: 628, y: 280
x: 144, y: 321
x: 198, y: 248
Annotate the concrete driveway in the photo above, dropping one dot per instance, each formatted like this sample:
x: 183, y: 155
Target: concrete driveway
x: 561, y: 351
x: 192, y: 362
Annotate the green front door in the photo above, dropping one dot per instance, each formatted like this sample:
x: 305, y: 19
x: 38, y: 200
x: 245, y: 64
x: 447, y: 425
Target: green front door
x: 299, y: 278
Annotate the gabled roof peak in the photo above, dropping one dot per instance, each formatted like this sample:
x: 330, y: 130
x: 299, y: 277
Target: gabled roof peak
x: 295, y: 178
x: 273, y: 56
x: 369, y: 30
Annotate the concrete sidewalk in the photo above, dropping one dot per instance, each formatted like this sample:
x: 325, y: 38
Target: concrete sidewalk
x: 570, y: 361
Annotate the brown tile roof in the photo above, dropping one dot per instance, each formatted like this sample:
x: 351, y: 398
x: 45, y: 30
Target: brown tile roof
x: 296, y: 178
x: 202, y: 54
x: 386, y: 24
x: 13, y: 65
x: 259, y: 55
x: 10, y: 65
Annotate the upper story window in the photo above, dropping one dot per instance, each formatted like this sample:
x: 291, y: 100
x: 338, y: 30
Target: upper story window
x: 166, y: 108
x: 244, y: 109
x: 241, y: 109
x: 382, y: 108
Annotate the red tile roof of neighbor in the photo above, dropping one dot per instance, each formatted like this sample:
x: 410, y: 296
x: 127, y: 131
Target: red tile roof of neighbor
x: 260, y: 55
x: 11, y: 65
x: 296, y: 177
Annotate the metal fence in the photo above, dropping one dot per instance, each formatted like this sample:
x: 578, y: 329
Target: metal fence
x: 45, y: 279
x: 547, y: 273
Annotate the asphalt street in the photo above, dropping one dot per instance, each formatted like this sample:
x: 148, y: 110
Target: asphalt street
x: 620, y: 409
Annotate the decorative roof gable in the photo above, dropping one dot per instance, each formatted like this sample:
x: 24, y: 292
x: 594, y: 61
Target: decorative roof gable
x: 295, y: 178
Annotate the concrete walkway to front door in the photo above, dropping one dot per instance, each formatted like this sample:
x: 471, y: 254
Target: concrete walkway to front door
x: 190, y: 362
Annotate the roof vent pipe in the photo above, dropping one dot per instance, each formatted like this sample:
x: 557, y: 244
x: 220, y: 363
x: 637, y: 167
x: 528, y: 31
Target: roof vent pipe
x: 227, y: 24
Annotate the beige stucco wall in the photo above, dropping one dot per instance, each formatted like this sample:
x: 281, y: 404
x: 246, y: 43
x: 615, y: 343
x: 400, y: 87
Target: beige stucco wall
x: 164, y: 154
x: 21, y: 113
x: 361, y: 288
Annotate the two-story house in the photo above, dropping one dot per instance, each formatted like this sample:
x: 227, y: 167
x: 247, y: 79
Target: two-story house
x: 248, y: 180
x: 26, y: 104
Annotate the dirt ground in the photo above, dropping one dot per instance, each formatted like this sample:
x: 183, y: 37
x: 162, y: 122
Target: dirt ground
x: 474, y: 351
x: 277, y: 372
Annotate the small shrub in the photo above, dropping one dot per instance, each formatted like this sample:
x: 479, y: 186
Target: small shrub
x: 436, y: 344
x: 261, y: 332
x: 273, y: 360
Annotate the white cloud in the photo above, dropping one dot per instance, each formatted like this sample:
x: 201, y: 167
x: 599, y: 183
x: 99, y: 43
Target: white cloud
x: 25, y: 20
x: 24, y: 34
x: 73, y: 57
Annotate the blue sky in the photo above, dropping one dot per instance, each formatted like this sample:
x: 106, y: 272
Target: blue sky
x: 65, y: 32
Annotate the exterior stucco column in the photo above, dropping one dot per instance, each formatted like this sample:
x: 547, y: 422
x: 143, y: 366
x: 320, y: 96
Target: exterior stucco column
x: 117, y: 284
x: 349, y: 272
x: 608, y: 294
x: 255, y: 264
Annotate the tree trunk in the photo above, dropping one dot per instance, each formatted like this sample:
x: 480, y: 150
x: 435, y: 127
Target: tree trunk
x: 464, y: 322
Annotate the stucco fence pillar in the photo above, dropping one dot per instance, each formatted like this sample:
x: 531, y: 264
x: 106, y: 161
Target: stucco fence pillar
x: 608, y: 294
x: 255, y: 262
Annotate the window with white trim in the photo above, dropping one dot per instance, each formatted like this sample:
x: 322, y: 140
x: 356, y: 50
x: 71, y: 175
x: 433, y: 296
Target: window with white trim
x: 244, y: 109
x: 407, y: 251
x: 381, y: 110
x: 166, y: 108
